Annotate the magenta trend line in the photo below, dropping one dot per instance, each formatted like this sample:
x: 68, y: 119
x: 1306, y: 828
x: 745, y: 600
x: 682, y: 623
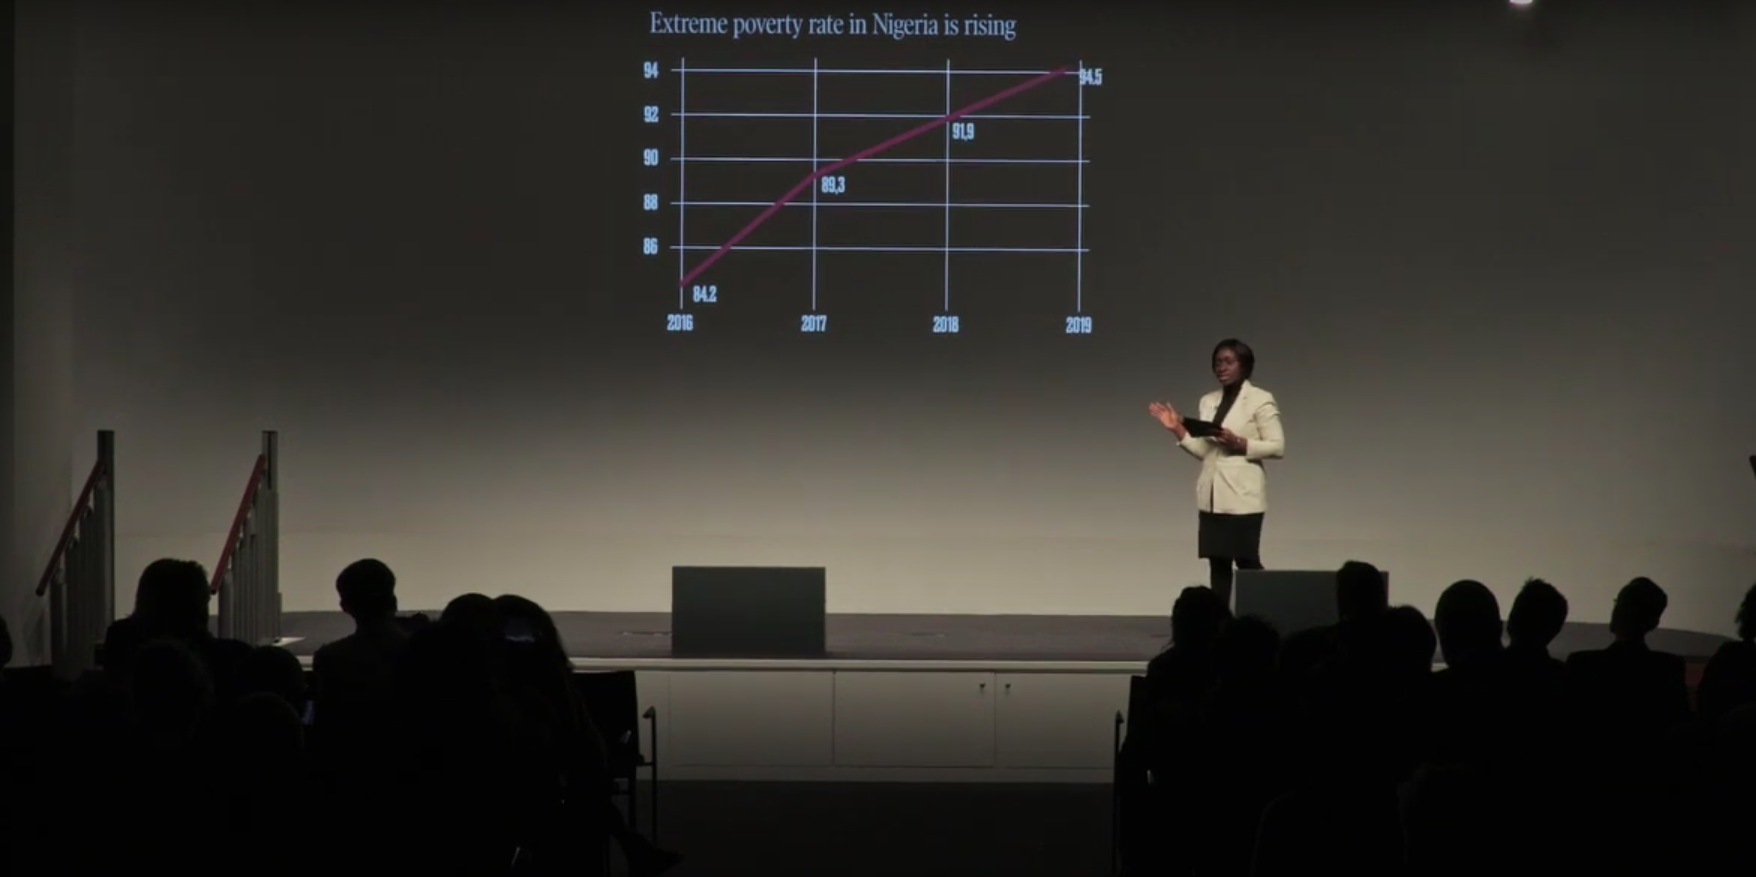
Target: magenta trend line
x: 866, y: 153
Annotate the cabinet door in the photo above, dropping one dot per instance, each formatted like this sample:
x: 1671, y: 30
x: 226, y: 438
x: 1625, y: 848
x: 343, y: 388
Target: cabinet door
x: 920, y: 719
x: 750, y: 719
x: 1057, y: 720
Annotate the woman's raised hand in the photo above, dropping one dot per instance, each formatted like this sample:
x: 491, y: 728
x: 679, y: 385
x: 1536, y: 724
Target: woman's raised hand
x: 1165, y: 414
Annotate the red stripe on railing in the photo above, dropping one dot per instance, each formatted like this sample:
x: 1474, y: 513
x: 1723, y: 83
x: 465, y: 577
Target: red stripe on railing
x: 61, y: 545
x: 219, y: 569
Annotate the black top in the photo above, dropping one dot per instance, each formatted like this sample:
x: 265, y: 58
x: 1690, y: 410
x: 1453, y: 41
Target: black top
x: 1226, y: 397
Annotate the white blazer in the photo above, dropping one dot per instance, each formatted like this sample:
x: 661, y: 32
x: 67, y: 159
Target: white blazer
x: 1233, y: 483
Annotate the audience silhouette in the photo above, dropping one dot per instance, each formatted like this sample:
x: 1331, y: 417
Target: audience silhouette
x: 1342, y: 750
x: 462, y: 746
x: 453, y: 747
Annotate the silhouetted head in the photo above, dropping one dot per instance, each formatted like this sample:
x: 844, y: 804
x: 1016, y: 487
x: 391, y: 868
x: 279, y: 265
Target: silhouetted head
x: 275, y: 671
x: 1408, y: 642
x: 1360, y: 591
x: 1233, y: 362
x: 1747, y: 616
x: 528, y: 636
x: 1247, y: 650
x: 1307, y: 651
x: 1538, y: 613
x: 367, y: 589
x: 171, y: 600
x: 1468, y: 623
x: 1196, y: 618
x: 263, y: 738
x: 1639, y: 607
x: 443, y: 674
x: 473, y: 614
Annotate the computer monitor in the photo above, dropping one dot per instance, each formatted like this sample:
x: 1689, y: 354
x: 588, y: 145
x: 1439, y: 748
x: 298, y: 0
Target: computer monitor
x: 1292, y: 600
x: 748, y: 612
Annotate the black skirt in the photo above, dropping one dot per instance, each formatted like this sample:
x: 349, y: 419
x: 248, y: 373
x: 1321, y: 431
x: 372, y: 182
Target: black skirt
x: 1231, y: 536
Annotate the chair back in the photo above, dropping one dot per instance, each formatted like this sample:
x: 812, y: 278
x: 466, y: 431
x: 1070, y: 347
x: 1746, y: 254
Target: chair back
x: 613, y: 702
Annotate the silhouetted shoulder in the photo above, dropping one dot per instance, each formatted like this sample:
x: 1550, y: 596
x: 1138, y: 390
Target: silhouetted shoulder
x: 1730, y: 649
x: 232, y: 648
x: 1670, y: 662
x: 1735, y: 653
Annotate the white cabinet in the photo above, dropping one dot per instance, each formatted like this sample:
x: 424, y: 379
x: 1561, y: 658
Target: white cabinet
x: 751, y: 718
x: 914, y: 719
x: 1057, y: 720
x: 935, y: 725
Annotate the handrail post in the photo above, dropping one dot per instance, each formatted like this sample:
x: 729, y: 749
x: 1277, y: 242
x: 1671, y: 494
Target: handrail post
x: 59, y: 612
x: 247, y: 576
x: 269, y: 530
x: 80, y: 579
x: 106, y: 520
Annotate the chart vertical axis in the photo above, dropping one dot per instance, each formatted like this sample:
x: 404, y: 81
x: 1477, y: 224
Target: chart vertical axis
x: 947, y: 302
x: 1079, y: 201
x: 682, y: 171
x: 814, y: 186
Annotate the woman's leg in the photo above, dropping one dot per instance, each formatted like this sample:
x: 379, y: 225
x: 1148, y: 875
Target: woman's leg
x: 1219, y: 570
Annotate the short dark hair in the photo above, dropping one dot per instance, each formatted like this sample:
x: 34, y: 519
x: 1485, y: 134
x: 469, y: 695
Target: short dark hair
x: 1538, y: 613
x: 1246, y: 356
x: 1467, y: 620
x: 1197, y: 617
x: 1641, y: 603
x: 367, y: 587
x: 172, y: 598
x: 1360, y: 590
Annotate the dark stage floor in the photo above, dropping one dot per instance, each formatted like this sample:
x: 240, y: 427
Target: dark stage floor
x: 852, y: 830
x: 1004, y: 638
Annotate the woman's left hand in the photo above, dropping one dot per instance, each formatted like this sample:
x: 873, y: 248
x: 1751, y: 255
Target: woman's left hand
x: 1233, y: 441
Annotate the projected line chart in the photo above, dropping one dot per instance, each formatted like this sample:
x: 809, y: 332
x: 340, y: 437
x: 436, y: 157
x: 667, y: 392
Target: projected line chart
x: 816, y: 161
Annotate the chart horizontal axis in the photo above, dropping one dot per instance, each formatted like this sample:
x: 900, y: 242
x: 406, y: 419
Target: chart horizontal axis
x: 1016, y: 117
x: 936, y: 162
x: 826, y: 71
x: 934, y: 205
x: 941, y: 250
